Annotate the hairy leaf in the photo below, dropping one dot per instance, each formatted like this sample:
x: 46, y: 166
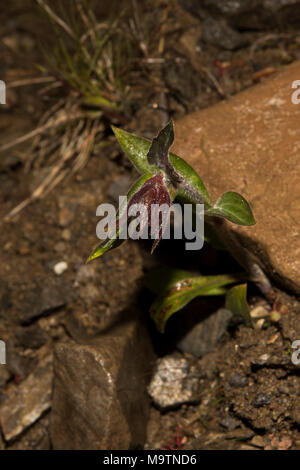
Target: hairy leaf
x: 158, y: 154
x: 137, y: 148
x: 234, y: 207
x: 179, y: 293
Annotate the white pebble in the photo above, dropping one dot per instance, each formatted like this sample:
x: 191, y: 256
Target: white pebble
x: 60, y: 267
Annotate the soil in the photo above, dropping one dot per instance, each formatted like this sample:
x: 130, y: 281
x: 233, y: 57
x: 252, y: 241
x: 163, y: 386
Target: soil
x: 39, y: 308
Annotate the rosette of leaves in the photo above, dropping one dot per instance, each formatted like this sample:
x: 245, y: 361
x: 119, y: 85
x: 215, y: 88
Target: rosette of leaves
x: 164, y: 177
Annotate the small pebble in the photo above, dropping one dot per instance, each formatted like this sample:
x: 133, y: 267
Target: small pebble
x: 259, y: 312
x: 60, y: 267
x: 66, y: 235
x: 263, y: 358
x: 259, y: 324
x: 261, y: 399
x: 238, y: 380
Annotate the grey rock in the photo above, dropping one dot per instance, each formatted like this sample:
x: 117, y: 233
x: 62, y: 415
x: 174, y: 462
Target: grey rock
x: 230, y: 423
x: 219, y: 34
x: 44, y: 299
x: 205, y: 335
x: 248, y: 14
x: 100, y: 399
x: 176, y: 380
x: 26, y: 402
x: 238, y: 380
x: 261, y: 399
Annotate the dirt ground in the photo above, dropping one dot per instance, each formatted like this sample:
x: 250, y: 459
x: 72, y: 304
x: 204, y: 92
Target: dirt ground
x: 248, y: 369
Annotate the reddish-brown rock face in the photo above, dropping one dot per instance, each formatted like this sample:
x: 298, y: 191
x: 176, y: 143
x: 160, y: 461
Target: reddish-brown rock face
x: 251, y: 144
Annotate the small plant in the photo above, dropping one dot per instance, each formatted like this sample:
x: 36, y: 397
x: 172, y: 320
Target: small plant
x: 89, y: 76
x: 166, y: 176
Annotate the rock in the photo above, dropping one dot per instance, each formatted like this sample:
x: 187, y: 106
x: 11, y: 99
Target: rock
x: 259, y: 312
x: 31, y: 336
x: 230, y: 423
x: 219, y: 34
x: 175, y: 381
x: 205, y: 335
x: 60, y: 267
x: 250, y: 144
x: 44, y: 299
x: 248, y: 14
x: 26, y: 402
x: 4, y: 375
x: 258, y: 441
x: 35, y: 438
x: 238, y: 380
x: 262, y: 399
x: 100, y: 399
x: 18, y: 364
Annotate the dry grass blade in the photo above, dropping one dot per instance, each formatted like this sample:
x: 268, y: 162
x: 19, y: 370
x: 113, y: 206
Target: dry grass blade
x: 74, y: 151
x: 30, y: 81
x: 87, y: 67
x: 56, y: 18
x: 59, y: 122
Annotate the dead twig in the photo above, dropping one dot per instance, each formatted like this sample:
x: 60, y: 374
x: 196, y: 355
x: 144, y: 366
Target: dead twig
x: 30, y: 81
x: 214, y: 82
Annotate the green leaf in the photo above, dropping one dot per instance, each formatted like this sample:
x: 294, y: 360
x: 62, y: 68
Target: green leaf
x: 233, y: 207
x: 236, y: 302
x: 184, y: 289
x: 137, y: 148
x: 100, y: 101
x: 103, y: 247
x: 160, y: 279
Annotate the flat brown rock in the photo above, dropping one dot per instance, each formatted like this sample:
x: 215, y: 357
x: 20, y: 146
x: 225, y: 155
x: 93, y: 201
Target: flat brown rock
x: 100, y: 399
x: 251, y: 144
x: 28, y: 401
